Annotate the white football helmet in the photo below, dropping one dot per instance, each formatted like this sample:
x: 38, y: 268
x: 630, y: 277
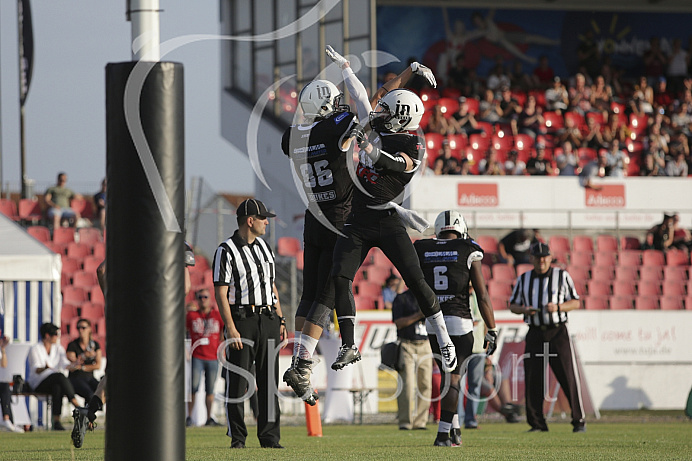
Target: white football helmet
x: 451, y: 220
x: 320, y: 98
x: 398, y: 110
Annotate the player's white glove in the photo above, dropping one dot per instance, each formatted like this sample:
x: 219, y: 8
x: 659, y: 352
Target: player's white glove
x: 490, y: 341
x: 411, y: 218
x: 336, y: 57
x: 420, y: 69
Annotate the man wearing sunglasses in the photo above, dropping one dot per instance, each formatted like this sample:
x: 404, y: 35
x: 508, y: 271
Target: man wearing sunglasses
x: 205, y: 326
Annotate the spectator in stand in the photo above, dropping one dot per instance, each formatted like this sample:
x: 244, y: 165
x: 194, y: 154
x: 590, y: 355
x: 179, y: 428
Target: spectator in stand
x: 58, y: 200
x: 514, y: 166
x: 491, y: 165
x: 458, y: 75
x: 663, y: 233
x: 539, y: 165
x: 678, y: 63
x: 520, y: 79
x: 648, y: 243
x: 580, y: 95
x: 570, y: 160
x: 662, y: 96
x: 588, y: 55
x: 446, y: 157
x: 514, y: 247
x: 601, y: 95
x: 570, y: 133
x: 464, y: 121
x: 87, y: 352
x: 464, y: 167
x: 594, y: 169
x: 557, y: 97
x: 564, y: 167
x: 392, y: 287
x: 205, y: 327
x: 7, y: 421
x: 510, y: 108
x: 531, y: 119
x: 657, y: 164
x: 437, y: 123
x: 543, y: 73
x: 617, y: 160
x: 681, y: 118
x: 498, y: 78
x: 655, y: 62
x: 677, y: 165
x: 453, y: 166
x: 489, y: 107
x: 658, y: 137
x: 100, y: 202
x: 594, y: 137
x: 438, y: 167
x: 47, y: 362
x: 615, y: 130
x: 679, y: 143
x: 681, y: 237
x: 642, y: 101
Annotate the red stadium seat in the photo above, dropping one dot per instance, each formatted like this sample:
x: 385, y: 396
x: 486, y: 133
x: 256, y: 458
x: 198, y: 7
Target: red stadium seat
x: 9, y: 209
x: 627, y: 273
x: 487, y: 242
x: 606, y: 273
x: 70, y: 265
x: 639, y: 123
x: 40, y: 233
x: 366, y: 288
x: 377, y: 274
x: 606, y: 243
x: 579, y: 272
x: 96, y: 295
x: 433, y: 145
x: 630, y: 258
x: 100, y: 251
x: 457, y: 142
x: 629, y: 243
x: 560, y: 256
x: 288, y: 246
x: 91, y: 263
x: 671, y: 303
x: 488, y: 128
x: 688, y: 302
x: 63, y: 235
x: 83, y: 206
x: 581, y: 258
x: 29, y: 210
x: 499, y: 303
x: 577, y: 118
x: 479, y: 143
x: 649, y: 288
x: 474, y: 105
x: 364, y: 303
x: 502, y: 143
x: 592, y: 303
x: 582, y: 243
x: 580, y: 286
x: 83, y: 279
x: 553, y: 121
x: 78, y: 250
x: 558, y: 243
x: 646, y: 303
x: 596, y: 116
x: 448, y: 106
x: 74, y: 295
x: 622, y: 287
x: 598, y: 287
x: 487, y: 273
x: 300, y: 260
x: 89, y: 235
x: 653, y: 258
x: 673, y: 288
x: 621, y: 302
x: 503, y: 271
x: 523, y: 142
x: 675, y: 273
x: 499, y: 288
x: 651, y: 273
x: 429, y: 94
x: 605, y: 258
x: 676, y: 257
x: 521, y: 268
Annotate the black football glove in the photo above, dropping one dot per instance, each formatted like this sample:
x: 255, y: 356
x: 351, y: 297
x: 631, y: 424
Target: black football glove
x: 490, y: 341
x: 358, y: 132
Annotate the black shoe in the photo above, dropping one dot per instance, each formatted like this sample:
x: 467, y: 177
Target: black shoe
x: 188, y: 422
x: 471, y: 425
x: 273, y: 445
x: 509, y: 412
x: 298, y: 378
x: 537, y: 429
x: 347, y: 355
x: 455, y: 437
x: 57, y: 426
x: 212, y: 422
x: 238, y: 445
x: 443, y: 440
x: 579, y: 429
x: 81, y: 424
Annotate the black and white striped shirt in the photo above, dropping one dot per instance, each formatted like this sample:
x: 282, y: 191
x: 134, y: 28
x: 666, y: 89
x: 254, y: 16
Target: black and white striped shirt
x: 532, y: 289
x: 247, y: 269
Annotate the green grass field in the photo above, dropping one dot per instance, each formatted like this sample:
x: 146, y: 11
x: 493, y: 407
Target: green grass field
x: 652, y: 440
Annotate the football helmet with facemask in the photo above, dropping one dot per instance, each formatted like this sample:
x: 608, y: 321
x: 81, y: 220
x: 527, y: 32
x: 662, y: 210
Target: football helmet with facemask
x: 451, y: 221
x: 397, y: 111
x: 320, y: 99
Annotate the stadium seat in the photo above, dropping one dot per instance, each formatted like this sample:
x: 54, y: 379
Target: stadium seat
x: 100, y: 252
x: 626, y: 273
x: 93, y: 310
x: 676, y: 257
x: 649, y: 288
x: 433, y: 145
x: 673, y: 288
x: 576, y: 118
x: 558, y: 243
x: 582, y: 243
x: 365, y: 302
x: 560, y: 256
x: 606, y: 273
x: 595, y: 303
x: 29, y: 210
x: 553, y: 121
x: 670, y: 303
x: 639, y: 123
x: 89, y: 235
x: 503, y: 271
x: 448, y: 106
x: 366, y: 288
x: 74, y: 295
x: 9, y: 209
x: 499, y: 303
x: 63, y: 234
x: 377, y: 274
x: 70, y: 265
x: 675, y: 273
x: 100, y: 327
x: 499, y: 288
x: 196, y: 277
x: 688, y: 302
x: 379, y: 259
x: 581, y: 258
x: 630, y: 258
x: 288, y: 246
x: 629, y: 243
x: 479, y: 143
x: 606, y: 242
x: 91, y: 263
x: 474, y: 105
x: 429, y: 94
x: 487, y: 242
x: 457, y: 142
x: 651, y: 273
x: 521, y: 268
x: 59, y: 248
x: 78, y: 250
x: 487, y: 128
x: 300, y: 260
x: 523, y: 142
x: 487, y: 273
x: 646, y: 303
x: 83, y: 206
x: 605, y: 258
x: 502, y: 143
x: 621, y: 302
x: 580, y: 286
x: 579, y: 272
x: 449, y: 92
x: 40, y: 233
x: 598, y: 288
x: 653, y: 258
x: 623, y: 287
x: 96, y: 295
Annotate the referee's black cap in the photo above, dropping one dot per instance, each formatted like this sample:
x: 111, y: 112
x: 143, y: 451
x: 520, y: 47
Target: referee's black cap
x: 252, y: 207
x: 540, y: 249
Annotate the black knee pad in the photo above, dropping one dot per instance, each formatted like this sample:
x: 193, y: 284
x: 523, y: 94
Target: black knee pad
x: 319, y: 315
x: 345, y: 305
x: 303, y: 308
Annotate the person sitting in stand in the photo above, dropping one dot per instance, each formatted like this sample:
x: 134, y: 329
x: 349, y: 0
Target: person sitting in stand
x: 514, y: 247
x: 58, y: 200
x: 86, y: 351
x: 392, y: 287
x: 539, y: 165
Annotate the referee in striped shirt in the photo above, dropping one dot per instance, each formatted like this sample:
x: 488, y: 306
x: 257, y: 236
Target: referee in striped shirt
x: 543, y: 296
x: 244, y: 271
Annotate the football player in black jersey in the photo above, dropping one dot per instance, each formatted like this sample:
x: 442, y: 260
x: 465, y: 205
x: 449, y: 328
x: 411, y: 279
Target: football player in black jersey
x: 449, y: 262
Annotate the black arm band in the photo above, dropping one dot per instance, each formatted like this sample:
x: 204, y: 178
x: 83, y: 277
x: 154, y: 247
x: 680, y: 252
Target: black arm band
x: 382, y: 159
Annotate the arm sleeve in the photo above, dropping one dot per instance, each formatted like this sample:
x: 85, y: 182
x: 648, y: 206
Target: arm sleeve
x: 357, y: 91
x: 387, y: 161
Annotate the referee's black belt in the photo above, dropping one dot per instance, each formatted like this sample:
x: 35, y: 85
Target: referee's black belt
x: 252, y: 308
x: 546, y: 327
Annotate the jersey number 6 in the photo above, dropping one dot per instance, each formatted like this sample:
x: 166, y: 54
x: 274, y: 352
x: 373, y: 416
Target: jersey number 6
x: 441, y: 280
x: 321, y: 174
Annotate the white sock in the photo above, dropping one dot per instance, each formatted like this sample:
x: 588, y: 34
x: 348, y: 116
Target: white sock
x: 438, y: 324
x: 296, y: 343
x: 444, y: 427
x: 455, y: 421
x: 307, y: 346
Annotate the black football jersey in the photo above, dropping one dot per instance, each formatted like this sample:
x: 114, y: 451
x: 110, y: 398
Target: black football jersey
x: 381, y: 185
x: 446, y: 265
x: 321, y: 166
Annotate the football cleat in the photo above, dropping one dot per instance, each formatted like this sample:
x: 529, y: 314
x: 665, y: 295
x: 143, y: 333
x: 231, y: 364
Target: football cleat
x: 443, y: 440
x: 347, y: 355
x: 455, y: 437
x: 449, y: 357
x: 298, y: 378
x: 81, y: 424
